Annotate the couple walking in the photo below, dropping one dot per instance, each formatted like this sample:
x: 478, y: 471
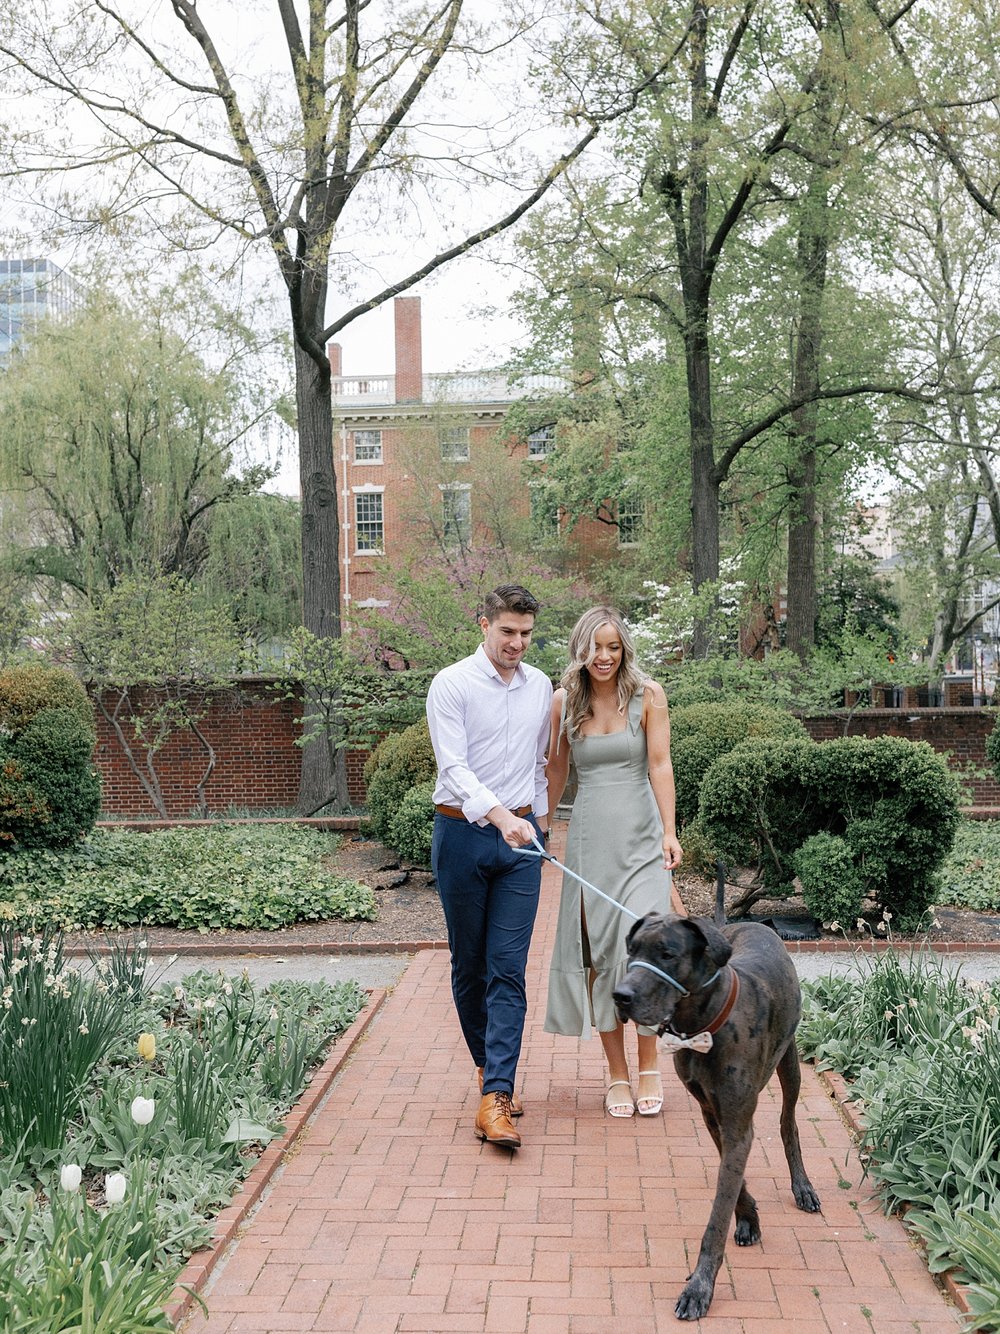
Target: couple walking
x: 503, y: 744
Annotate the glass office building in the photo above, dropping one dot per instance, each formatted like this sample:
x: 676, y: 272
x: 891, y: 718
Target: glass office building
x: 29, y: 290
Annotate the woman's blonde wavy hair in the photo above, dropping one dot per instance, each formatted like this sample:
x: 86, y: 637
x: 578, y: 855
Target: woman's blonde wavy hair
x: 582, y: 650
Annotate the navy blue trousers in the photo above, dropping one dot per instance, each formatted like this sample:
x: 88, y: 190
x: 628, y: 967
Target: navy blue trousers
x: 489, y: 894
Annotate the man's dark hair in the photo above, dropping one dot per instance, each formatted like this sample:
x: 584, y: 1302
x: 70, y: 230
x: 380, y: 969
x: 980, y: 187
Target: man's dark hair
x: 509, y: 597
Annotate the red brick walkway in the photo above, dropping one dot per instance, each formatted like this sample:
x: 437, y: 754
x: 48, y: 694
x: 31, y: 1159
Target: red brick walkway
x: 392, y: 1216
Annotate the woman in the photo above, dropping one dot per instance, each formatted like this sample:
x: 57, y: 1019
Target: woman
x: 613, y: 721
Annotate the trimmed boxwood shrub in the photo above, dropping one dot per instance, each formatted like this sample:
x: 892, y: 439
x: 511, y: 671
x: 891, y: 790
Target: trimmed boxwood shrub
x: 831, y: 886
x: 892, y: 802
x: 25, y: 691
x: 50, y: 792
x: 398, y: 764
x: 701, y: 733
x: 411, y: 829
x: 757, y: 807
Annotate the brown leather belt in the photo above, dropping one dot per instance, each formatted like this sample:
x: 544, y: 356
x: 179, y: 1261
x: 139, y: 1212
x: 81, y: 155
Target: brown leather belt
x: 456, y: 812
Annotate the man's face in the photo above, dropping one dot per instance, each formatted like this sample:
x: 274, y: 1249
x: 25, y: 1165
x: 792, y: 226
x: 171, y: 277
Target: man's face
x: 506, y: 639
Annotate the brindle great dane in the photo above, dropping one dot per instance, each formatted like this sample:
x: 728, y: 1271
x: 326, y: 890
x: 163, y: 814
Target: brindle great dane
x: 688, y: 978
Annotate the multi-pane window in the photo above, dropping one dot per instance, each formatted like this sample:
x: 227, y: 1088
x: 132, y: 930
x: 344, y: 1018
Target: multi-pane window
x: 454, y: 444
x: 456, y: 516
x: 369, y: 524
x: 367, y: 446
x: 541, y: 442
x: 544, y: 513
x: 631, y: 513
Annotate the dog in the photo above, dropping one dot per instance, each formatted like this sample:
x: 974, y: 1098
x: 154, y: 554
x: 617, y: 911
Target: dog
x: 728, y: 1000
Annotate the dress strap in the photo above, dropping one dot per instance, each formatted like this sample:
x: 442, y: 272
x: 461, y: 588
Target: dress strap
x: 562, y: 722
x: 634, y: 712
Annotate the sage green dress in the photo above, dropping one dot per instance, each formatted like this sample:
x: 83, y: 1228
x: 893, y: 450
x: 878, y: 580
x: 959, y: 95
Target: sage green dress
x: 615, y: 841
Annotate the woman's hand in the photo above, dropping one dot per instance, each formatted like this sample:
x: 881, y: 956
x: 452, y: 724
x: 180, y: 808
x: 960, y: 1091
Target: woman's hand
x: 672, y: 854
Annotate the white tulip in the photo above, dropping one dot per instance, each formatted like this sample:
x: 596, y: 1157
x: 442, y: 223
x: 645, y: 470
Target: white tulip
x: 70, y: 1177
x: 114, y: 1187
x: 142, y: 1110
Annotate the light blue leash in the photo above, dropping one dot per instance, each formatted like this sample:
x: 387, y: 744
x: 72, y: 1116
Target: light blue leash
x: 539, y: 851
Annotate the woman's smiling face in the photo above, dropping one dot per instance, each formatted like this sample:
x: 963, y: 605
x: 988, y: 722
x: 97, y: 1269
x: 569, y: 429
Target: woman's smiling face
x: 607, y: 654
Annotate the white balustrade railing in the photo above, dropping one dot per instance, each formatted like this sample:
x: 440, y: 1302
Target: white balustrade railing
x: 448, y: 387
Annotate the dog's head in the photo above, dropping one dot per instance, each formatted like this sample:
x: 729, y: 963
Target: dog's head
x: 688, y: 950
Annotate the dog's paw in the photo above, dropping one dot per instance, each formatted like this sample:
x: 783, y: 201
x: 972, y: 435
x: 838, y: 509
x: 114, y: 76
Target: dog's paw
x: 806, y: 1198
x: 695, y: 1300
x: 747, y: 1231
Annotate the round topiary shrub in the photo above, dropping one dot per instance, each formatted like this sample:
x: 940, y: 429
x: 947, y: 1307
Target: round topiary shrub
x: 50, y: 792
x: 397, y: 764
x: 896, y: 805
x: 757, y: 807
x: 56, y: 749
x: 831, y: 887
x: 892, y: 803
x: 25, y: 691
x: 412, y: 827
x: 701, y: 733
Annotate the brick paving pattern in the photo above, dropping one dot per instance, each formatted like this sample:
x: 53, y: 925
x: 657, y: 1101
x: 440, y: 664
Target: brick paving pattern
x: 391, y: 1216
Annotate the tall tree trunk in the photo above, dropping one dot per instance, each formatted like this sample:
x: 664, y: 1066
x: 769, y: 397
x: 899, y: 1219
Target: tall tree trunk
x: 324, y: 771
x: 697, y: 267
x: 802, y: 525
x: 815, y: 224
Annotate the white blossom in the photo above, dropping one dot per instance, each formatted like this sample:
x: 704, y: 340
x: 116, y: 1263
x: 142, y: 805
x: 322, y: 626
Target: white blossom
x: 143, y: 1110
x: 114, y: 1187
x: 70, y: 1177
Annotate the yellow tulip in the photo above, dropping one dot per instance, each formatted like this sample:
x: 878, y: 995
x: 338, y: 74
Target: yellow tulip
x: 147, y: 1046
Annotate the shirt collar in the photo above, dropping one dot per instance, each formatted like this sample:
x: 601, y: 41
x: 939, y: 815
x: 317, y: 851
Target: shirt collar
x: 487, y: 668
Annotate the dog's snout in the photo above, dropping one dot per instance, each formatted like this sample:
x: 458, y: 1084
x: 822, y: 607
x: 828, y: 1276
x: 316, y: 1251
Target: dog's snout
x: 623, y: 996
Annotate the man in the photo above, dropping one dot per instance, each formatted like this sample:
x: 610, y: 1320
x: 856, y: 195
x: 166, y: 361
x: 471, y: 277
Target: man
x: 489, y: 725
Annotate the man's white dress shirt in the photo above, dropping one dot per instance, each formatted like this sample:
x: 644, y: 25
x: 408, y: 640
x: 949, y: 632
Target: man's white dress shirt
x: 489, y: 736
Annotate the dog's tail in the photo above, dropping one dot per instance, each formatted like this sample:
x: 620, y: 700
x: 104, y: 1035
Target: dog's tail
x: 720, y: 893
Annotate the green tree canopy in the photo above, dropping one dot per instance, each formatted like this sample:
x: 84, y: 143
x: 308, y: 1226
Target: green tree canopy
x: 123, y: 444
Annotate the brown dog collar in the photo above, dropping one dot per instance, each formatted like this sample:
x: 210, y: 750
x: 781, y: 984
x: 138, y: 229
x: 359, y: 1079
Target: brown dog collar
x: 702, y: 1041
x: 727, y: 1009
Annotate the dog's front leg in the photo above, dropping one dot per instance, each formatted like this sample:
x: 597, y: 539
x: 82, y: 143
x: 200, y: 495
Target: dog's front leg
x: 696, y: 1298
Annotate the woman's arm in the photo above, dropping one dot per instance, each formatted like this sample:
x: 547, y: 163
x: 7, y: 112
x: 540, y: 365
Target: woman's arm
x: 557, y: 764
x: 656, y: 725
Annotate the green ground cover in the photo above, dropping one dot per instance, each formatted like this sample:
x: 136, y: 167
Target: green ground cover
x: 258, y: 877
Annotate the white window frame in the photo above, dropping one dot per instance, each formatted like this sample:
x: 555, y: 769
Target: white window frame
x: 458, y: 538
x: 453, y: 442
x: 365, y: 493
x: 541, y: 442
x: 635, y: 519
x: 372, y: 444
x: 550, y: 525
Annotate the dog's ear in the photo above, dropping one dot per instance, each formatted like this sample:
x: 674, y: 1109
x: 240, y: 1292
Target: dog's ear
x: 635, y: 927
x: 710, y: 939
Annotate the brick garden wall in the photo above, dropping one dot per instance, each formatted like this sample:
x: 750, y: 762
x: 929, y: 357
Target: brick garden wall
x: 257, y: 761
x: 961, y: 733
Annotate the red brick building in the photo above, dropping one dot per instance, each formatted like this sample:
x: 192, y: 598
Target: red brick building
x: 422, y: 465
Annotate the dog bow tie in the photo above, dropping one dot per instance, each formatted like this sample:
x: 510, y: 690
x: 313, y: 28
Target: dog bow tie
x: 671, y: 1043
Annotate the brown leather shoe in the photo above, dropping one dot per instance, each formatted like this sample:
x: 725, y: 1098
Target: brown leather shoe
x: 493, y: 1122
x: 516, y: 1105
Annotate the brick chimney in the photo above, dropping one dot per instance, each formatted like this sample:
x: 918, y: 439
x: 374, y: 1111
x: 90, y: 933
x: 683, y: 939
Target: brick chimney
x: 336, y: 355
x: 409, y: 356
